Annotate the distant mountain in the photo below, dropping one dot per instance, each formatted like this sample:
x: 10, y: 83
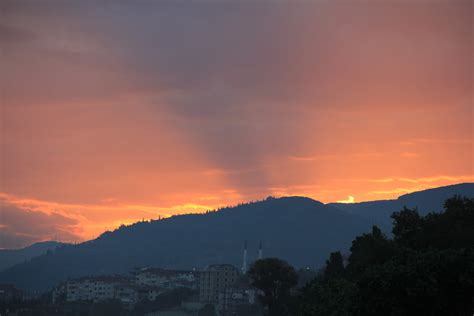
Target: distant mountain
x: 10, y: 257
x: 297, y: 229
x: 431, y: 200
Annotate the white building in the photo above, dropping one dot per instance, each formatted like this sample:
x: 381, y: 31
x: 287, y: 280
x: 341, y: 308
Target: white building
x: 166, y: 279
x: 93, y: 289
x: 146, y: 284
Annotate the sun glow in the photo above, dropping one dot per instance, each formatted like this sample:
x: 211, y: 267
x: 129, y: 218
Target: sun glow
x: 350, y: 199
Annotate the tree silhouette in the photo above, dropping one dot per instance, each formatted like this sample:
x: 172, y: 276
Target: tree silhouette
x: 334, y: 266
x: 427, y: 269
x: 274, y: 278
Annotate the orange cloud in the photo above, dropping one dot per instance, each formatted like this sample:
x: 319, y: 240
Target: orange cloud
x: 106, y: 123
x: 409, y: 155
x: 86, y: 221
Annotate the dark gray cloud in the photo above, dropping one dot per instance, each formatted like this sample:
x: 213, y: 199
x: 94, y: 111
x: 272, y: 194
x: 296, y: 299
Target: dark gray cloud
x: 9, y: 34
x: 20, y: 227
x: 217, y: 57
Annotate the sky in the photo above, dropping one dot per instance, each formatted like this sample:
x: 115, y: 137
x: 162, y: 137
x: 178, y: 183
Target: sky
x: 118, y: 111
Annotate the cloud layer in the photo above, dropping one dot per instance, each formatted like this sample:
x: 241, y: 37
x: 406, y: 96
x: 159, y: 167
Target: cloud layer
x: 167, y: 104
x: 21, y: 227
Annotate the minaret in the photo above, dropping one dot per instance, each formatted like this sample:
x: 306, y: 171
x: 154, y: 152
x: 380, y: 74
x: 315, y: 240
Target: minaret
x: 260, y: 251
x: 244, y: 263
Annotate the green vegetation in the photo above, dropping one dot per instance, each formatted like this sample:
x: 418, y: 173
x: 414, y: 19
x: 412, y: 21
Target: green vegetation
x: 426, y: 269
x: 274, y: 278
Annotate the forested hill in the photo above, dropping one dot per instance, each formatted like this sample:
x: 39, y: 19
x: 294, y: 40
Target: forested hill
x: 297, y: 229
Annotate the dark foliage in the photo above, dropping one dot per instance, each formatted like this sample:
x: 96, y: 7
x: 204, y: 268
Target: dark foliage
x: 328, y: 296
x: 274, y: 278
x: 427, y: 269
x: 334, y: 266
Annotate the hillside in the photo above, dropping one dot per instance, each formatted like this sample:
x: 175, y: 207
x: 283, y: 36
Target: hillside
x: 431, y: 200
x: 297, y: 229
x: 11, y: 257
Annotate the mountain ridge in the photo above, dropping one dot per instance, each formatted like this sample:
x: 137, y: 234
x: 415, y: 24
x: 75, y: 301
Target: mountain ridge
x: 429, y: 200
x: 286, y: 226
x: 11, y: 257
x: 299, y: 230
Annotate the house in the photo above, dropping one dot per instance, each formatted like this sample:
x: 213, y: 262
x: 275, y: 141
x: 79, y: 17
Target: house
x: 146, y: 284
x: 93, y: 289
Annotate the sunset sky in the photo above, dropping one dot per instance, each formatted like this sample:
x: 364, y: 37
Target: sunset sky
x: 116, y: 111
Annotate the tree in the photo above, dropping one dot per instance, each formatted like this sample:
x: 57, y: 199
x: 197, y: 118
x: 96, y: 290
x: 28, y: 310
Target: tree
x: 274, y: 278
x: 368, y: 250
x: 407, y: 226
x: 427, y: 269
x: 334, y: 266
x: 454, y: 228
x: 328, y: 297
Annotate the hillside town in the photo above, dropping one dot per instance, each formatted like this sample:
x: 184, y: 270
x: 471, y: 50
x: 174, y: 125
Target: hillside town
x: 221, y: 289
